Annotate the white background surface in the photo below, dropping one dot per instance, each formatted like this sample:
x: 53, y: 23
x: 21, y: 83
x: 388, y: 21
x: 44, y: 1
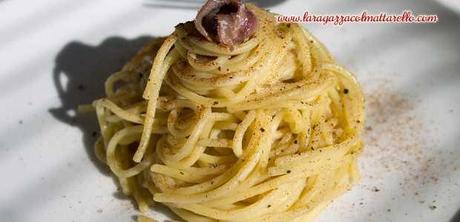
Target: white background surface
x: 55, y: 54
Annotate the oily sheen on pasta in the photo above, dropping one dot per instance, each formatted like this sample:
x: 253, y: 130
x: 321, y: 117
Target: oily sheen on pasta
x: 264, y: 130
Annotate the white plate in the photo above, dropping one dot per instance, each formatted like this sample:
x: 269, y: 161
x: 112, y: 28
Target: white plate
x: 55, y: 54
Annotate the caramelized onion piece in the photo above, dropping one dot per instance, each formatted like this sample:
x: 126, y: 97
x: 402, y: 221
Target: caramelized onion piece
x: 228, y: 22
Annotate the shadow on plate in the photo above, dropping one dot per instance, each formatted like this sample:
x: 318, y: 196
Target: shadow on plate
x: 456, y: 217
x: 196, y: 4
x: 79, y: 74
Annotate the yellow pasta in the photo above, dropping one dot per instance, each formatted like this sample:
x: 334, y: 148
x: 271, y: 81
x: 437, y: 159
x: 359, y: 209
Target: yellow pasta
x: 268, y: 130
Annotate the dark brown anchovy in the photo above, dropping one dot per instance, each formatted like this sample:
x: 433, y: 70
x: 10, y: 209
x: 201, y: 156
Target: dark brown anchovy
x: 228, y: 22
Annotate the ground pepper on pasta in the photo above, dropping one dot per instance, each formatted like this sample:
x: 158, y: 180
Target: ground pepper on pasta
x: 268, y: 129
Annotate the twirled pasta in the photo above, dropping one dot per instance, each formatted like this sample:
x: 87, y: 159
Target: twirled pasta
x: 267, y: 130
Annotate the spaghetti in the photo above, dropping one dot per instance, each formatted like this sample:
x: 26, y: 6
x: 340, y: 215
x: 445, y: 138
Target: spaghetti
x: 265, y: 130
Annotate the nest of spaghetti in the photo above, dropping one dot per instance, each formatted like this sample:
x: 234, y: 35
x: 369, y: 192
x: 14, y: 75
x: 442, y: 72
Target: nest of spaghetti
x: 265, y: 130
